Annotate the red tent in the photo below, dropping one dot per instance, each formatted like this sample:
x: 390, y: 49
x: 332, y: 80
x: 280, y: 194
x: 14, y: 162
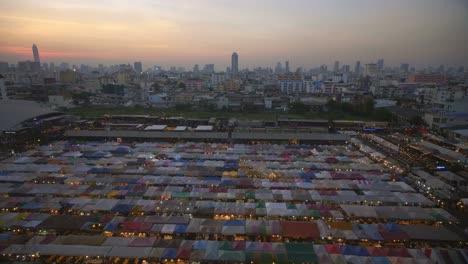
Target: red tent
x: 377, y: 251
x: 333, y: 249
x: 300, y: 229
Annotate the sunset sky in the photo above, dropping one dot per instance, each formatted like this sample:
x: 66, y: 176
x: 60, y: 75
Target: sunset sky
x: 182, y: 33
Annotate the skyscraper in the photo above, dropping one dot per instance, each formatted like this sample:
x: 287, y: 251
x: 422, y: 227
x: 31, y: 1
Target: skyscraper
x: 278, y: 68
x: 336, y: 68
x: 357, y: 68
x: 138, y: 66
x: 234, y: 63
x: 209, y: 68
x: 286, y: 65
x: 196, y: 68
x: 36, y: 53
x: 371, y: 70
x: 380, y: 64
x: 404, y: 67
x: 345, y: 68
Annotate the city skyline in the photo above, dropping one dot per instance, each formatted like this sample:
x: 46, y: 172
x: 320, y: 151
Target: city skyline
x: 138, y: 66
x: 180, y: 33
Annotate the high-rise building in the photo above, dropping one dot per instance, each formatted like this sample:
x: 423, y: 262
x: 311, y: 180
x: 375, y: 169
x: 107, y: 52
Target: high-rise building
x: 278, y: 68
x: 286, y: 65
x: 380, y: 64
x: 371, y: 70
x: 404, y: 67
x: 138, y: 66
x: 345, y: 68
x: 196, y: 68
x: 235, y: 63
x: 36, y: 53
x: 357, y: 68
x: 209, y: 68
x: 336, y: 68
x: 4, y: 67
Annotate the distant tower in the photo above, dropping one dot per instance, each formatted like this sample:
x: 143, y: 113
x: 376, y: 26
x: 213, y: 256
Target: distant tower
x: 404, y: 67
x: 286, y: 65
x: 36, y: 53
x: 380, y: 64
x: 234, y: 63
x: 138, y: 66
x: 336, y: 68
x: 278, y: 68
x: 357, y: 68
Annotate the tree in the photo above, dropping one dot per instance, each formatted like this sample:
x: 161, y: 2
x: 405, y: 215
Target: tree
x: 183, y: 107
x: 181, y: 85
x: 418, y: 121
x: 298, y: 108
x: 81, y: 98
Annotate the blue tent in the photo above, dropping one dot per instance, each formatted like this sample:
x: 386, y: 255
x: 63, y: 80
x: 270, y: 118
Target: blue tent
x: 111, y: 226
x: 100, y: 170
x: 252, y: 246
x: 392, y: 227
x: 306, y: 175
x: 354, y: 250
x: 200, y: 244
x: 122, y: 150
x: 228, y: 182
x: 234, y: 222
x: 181, y: 229
x: 122, y: 208
x: 381, y: 260
x: 169, y: 253
x: 32, y: 206
x: 4, y: 236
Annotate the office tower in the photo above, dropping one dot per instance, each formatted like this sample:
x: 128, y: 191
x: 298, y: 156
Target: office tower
x: 336, y: 68
x: 357, y: 68
x: 345, y: 68
x: 234, y: 63
x: 371, y: 70
x: 209, y: 68
x: 442, y: 68
x: 36, y: 53
x: 278, y: 68
x: 138, y: 66
x: 404, y: 67
x: 380, y: 64
x: 4, y: 67
x: 323, y: 68
x: 286, y: 65
x: 196, y: 68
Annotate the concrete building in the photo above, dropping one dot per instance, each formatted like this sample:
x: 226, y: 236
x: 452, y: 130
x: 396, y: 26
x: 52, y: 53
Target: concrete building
x: 428, y: 78
x: 371, y: 70
x: 194, y: 85
x: 68, y: 76
x: 219, y: 78
x: 404, y: 67
x: 209, y: 68
x: 235, y: 63
x: 36, y: 54
x: 336, y: 67
x: 232, y: 85
x: 138, y: 66
x: 357, y: 68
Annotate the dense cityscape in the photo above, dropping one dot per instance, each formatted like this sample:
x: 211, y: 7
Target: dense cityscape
x: 361, y: 161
